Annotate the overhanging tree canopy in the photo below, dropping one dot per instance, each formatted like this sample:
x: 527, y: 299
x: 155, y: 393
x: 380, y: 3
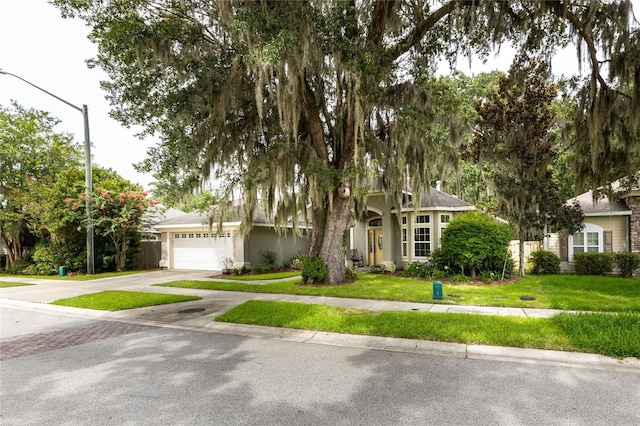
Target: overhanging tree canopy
x: 293, y: 100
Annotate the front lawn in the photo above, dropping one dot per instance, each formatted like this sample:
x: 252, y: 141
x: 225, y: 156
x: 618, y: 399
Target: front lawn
x: 612, y: 335
x: 77, y: 277
x: 569, y: 292
x: 4, y: 284
x: 113, y: 300
x: 266, y: 277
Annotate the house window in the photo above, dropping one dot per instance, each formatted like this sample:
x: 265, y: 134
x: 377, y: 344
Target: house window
x: 190, y: 235
x: 423, y: 218
x: 375, y: 223
x: 422, y: 236
x: 589, y: 244
x: 445, y: 218
x: 421, y: 242
x: 405, y: 237
x: 184, y: 235
x: 176, y: 235
x: 198, y: 235
x: 590, y: 239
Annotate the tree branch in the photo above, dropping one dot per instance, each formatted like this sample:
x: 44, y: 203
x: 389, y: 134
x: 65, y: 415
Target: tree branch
x: 421, y: 29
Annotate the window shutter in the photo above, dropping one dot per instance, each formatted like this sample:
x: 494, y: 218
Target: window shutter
x: 564, y: 248
x: 608, y: 241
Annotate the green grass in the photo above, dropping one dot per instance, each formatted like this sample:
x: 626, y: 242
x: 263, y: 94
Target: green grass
x: 78, y: 277
x: 120, y: 300
x: 4, y: 284
x: 612, y: 335
x: 568, y: 292
x: 270, y: 276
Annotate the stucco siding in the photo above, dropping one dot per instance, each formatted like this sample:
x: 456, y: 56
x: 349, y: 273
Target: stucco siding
x: 285, y: 246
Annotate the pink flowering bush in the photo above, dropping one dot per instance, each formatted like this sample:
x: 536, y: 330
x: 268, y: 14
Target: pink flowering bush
x: 117, y: 215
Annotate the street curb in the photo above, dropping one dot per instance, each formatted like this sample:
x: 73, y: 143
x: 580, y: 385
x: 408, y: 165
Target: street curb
x: 551, y: 357
x: 392, y: 344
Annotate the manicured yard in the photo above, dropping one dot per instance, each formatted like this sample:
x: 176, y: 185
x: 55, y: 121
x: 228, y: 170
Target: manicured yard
x: 615, y: 335
x: 118, y: 300
x: 79, y: 277
x: 569, y: 292
x: 4, y: 284
x: 269, y: 276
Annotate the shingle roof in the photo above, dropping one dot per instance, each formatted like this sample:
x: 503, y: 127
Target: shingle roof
x: 197, y: 219
x: 435, y: 199
x: 601, y: 207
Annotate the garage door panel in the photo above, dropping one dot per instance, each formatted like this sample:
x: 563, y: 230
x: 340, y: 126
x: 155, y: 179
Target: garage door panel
x: 201, y: 252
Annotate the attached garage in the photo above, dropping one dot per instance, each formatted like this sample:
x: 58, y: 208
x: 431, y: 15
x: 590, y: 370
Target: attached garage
x: 188, y: 242
x: 201, y: 251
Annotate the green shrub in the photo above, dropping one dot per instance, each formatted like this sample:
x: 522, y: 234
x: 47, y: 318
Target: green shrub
x: 269, y: 257
x: 443, y: 263
x: 591, y: 263
x: 417, y: 269
x: 350, y: 274
x: 458, y: 278
x: 313, y: 270
x: 487, y: 277
x: 544, y: 262
x: 474, y: 242
x: 626, y: 262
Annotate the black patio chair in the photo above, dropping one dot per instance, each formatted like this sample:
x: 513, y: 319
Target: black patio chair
x: 356, y: 258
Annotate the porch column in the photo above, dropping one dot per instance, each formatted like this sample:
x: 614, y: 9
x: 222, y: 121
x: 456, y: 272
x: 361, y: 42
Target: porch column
x: 389, y: 240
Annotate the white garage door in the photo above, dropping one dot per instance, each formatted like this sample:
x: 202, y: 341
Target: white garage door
x: 201, y: 251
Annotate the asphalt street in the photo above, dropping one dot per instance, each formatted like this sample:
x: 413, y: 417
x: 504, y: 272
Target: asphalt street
x: 63, y: 370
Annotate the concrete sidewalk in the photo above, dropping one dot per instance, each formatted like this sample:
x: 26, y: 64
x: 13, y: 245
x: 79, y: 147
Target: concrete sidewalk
x: 200, y: 315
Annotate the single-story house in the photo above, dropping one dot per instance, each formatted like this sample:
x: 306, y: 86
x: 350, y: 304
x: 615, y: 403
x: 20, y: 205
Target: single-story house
x: 610, y: 226
x: 391, y: 236
x: 188, y: 242
x: 388, y: 236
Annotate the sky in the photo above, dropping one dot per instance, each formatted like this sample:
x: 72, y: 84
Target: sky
x: 40, y: 46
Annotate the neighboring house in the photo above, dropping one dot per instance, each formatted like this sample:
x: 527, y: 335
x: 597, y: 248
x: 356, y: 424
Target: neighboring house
x: 391, y: 237
x: 188, y: 242
x: 609, y: 227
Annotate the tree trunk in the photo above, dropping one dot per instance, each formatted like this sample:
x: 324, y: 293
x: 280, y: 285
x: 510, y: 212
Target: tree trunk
x: 332, y: 250
x: 319, y: 216
x: 521, y: 257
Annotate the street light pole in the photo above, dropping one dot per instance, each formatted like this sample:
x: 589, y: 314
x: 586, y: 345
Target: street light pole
x: 88, y: 174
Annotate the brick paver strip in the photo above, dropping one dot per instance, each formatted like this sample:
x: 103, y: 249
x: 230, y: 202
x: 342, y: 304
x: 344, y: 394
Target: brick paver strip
x: 29, y: 344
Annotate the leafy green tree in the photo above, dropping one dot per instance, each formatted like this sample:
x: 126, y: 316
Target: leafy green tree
x: 295, y: 102
x: 514, y: 135
x: 118, y: 211
x: 32, y: 155
x: 473, y: 239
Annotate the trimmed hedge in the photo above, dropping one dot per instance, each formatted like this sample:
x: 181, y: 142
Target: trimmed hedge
x: 544, y: 262
x: 591, y: 263
x: 626, y: 262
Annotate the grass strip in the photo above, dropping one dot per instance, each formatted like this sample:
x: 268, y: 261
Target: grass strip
x: 265, y: 277
x: 114, y: 300
x: 5, y: 284
x: 569, y: 292
x: 538, y: 333
x: 616, y: 335
x: 78, y: 277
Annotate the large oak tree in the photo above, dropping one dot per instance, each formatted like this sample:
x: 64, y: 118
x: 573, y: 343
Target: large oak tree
x: 295, y: 102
